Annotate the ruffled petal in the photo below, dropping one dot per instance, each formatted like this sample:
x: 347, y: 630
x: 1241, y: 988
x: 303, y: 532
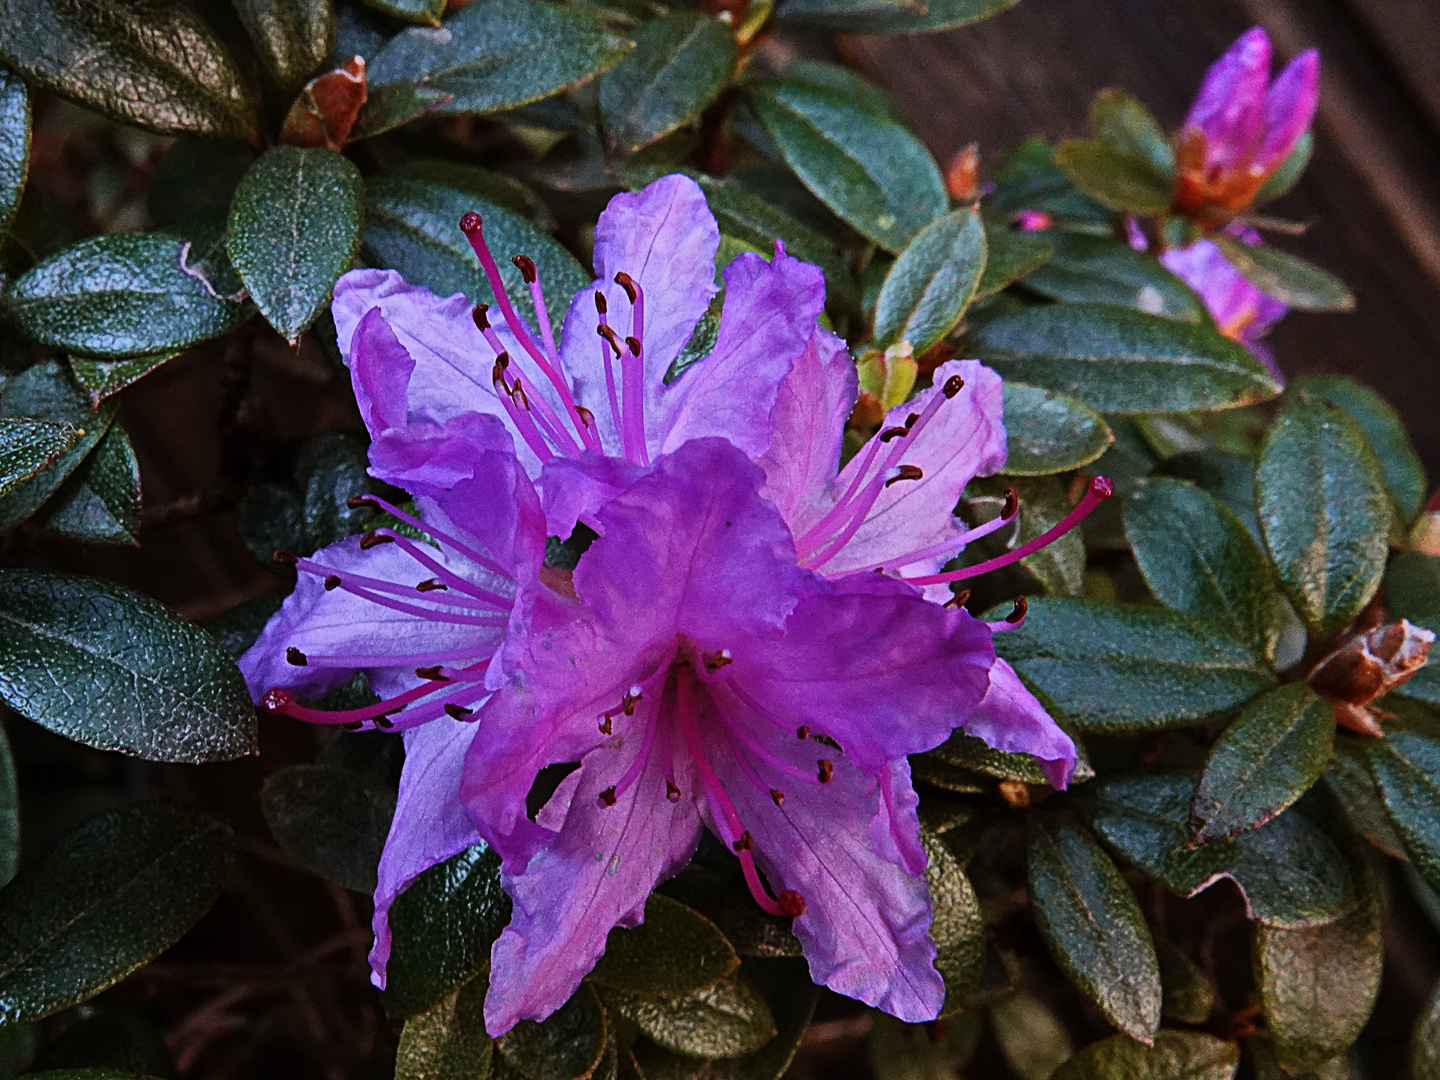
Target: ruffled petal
x: 573, y: 489
x: 1289, y: 109
x: 1010, y: 719
x: 1230, y: 105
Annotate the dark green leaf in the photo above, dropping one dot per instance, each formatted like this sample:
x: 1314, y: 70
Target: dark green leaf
x: 87, y: 1074
x: 967, y: 752
x: 1425, y: 1040
x: 1176, y: 1055
x: 957, y: 926
x: 9, y: 813
x: 864, y: 165
x: 676, y: 950
x: 118, y: 295
x: 1122, y: 361
x: 14, y: 145
x: 196, y: 179
x: 27, y: 446
x: 1349, y: 779
x: 1028, y: 179
x: 443, y: 925
x: 271, y: 517
x: 101, y: 378
x: 1289, y: 279
x: 413, y: 226
x: 494, y: 187
x: 424, y: 12
x: 1263, y: 762
x: 448, y: 1041
x: 1318, y: 985
x: 1121, y: 668
x: 1049, y: 433
x: 1032, y: 1038
x: 1229, y: 478
x: 1406, y: 767
x: 867, y: 16
x: 101, y: 501
x: 1118, y: 180
x: 104, y: 1041
x: 1094, y: 928
x: 1198, y: 557
x: 109, y: 897
x: 333, y: 820
x: 1060, y: 565
x: 499, y: 54
x: 1325, y: 513
x: 1126, y: 125
x: 931, y: 284
x: 330, y: 470
x: 728, y: 1019
x: 149, y: 683
x: 292, y: 37
x: 1010, y: 256
x: 294, y: 228
x: 1290, y: 871
x: 679, y: 65
x: 388, y: 107
x: 166, y: 71
x: 1088, y: 269
x: 1404, y: 472
x: 565, y: 1046
x: 1189, y: 996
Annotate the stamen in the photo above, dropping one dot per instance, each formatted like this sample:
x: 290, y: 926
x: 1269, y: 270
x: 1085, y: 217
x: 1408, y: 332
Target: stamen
x: 458, y: 712
x: 285, y: 558
x: 373, y: 539
x: 714, y: 661
x: 434, y: 673
x: 469, y: 688
x: 955, y: 544
x: 353, y: 582
x: 608, y: 797
x: 433, y: 585
x: 601, y: 307
x: 526, y: 266
x: 825, y: 770
x: 778, y: 796
x: 802, y: 732
x: 632, y: 372
x: 1014, y: 620
x: 522, y: 420
x: 744, y: 842
x: 296, y: 657
x: 332, y: 583
x: 671, y: 791
x: 906, y: 472
x: 479, y: 314
x: 429, y: 530
x: 958, y: 600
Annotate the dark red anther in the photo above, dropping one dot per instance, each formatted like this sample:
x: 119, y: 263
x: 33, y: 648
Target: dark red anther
x: 384, y: 722
x: 296, y: 657
x: 332, y: 582
x: 353, y: 725
x: 277, y: 700
x: 1012, y: 504
x: 744, y: 842
x: 285, y: 558
x: 671, y: 791
x: 371, y: 539
x: 518, y: 395
x: 526, y: 266
x: 791, y: 903
x: 432, y: 585
x: 609, y: 335
x: 633, y: 343
x: 435, y: 673
x: 906, y: 472
x: 457, y: 712
x: 777, y: 795
x: 1102, y: 487
x: 629, y: 701
x: 606, y: 725
x: 608, y: 796
x: 626, y: 282
x: 714, y: 661
x: 602, y: 306
x: 586, y: 416
x: 910, y: 421
x: 362, y: 502
x: 470, y: 223
x: 480, y: 313
x: 1017, y: 613
x: 824, y: 770
x: 959, y: 599
x: 802, y: 732
x: 953, y: 385
x: 893, y: 433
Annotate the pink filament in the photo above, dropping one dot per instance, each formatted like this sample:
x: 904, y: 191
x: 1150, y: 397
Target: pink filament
x: 632, y: 370
x: 429, y: 530
x: 348, y: 578
x: 944, y: 547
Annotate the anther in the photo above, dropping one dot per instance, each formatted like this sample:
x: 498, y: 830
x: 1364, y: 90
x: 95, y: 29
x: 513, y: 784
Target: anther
x: 332, y: 582
x: 609, y: 335
x: 457, y: 712
x: 671, y: 791
x: 791, y: 903
x: 744, y: 842
x: 482, y: 319
x: 630, y: 700
x: 606, y: 725
x: 353, y: 725
x: 1017, y: 613
x: 1012, y: 504
x: 778, y: 796
x: 633, y: 343
x: 824, y: 770
x: 586, y: 416
x: 626, y: 282
x: 802, y: 732
x: 608, y: 796
x: 371, y: 539
x: 526, y: 266
x: 906, y: 472
x: 826, y: 740
x: 384, y: 722
x: 296, y: 657
x: 362, y: 502
x: 433, y: 672
x: 953, y: 385
x: 432, y: 585
x: 714, y: 661
x: 959, y: 599
x: 893, y: 433
x: 602, y: 306
x: 285, y: 558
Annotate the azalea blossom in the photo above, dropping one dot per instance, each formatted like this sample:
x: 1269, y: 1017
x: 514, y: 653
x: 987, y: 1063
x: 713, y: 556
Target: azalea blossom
x: 1242, y: 127
x: 1242, y: 311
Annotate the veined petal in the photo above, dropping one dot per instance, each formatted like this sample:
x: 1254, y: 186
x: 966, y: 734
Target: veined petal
x: 1289, y: 109
x: 573, y: 489
x: 895, y: 833
x: 1010, y: 719
x: 1230, y: 105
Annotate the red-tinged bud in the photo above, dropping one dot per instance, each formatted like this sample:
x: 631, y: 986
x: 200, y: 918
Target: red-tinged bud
x: 458, y: 712
x: 432, y: 585
x: 906, y: 472
x: 962, y: 178
x: 633, y: 343
x: 435, y: 673
x: 778, y: 796
x: 608, y: 796
x: 526, y: 266
x: 791, y: 903
x: 296, y: 657
x: 285, y: 558
x: 1372, y: 664
x: 1017, y: 613
x: 373, y: 539
x: 626, y: 282
x: 332, y: 582
x: 1012, y: 504
x: 671, y: 791
x: 824, y: 770
x: 602, y: 306
x: 745, y: 842
x: 480, y: 313
x: 277, y: 700
x: 470, y: 223
x: 953, y: 385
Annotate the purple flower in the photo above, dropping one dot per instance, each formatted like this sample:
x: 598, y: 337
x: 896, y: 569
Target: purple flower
x: 1241, y: 310
x: 1242, y: 127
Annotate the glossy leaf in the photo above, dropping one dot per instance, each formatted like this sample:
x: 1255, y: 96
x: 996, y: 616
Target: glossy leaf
x: 565, y: 1046
x: 1176, y: 1055
x: 1095, y: 930
x: 1289, y: 279
x: 447, y: 1041
x: 100, y: 503
x: 167, y: 71
x: 1263, y: 762
x: 1033, y: 1040
x: 102, y: 378
x: 957, y: 926
x: 499, y: 54
x: 1049, y: 433
x: 196, y: 179
x: 1406, y: 767
x: 1126, y: 125
x: 1229, y: 478
x: 1189, y: 996
x: 871, y: 16
x: 1349, y: 779
x: 926, y: 292
x: 108, y: 897
x: 676, y: 950
x: 967, y: 752
x: 423, y: 12
x: 728, y: 1019
x: 330, y: 470
x: 679, y: 65
x: 9, y: 813
x: 27, y: 446
x: 1010, y: 256
x: 294, y: 228
x: 1198, y: 557
x: 118, y: 295
x: 291, y: 37
x: 442, y: 926
x: 1086, y: 269
x: 1121, y: 668
x: 1290, y: 871
x: 1121, y: 181
x: 1122, y: 361
x: 332, y: 820
x: 864, y: 165
x: 1325, y: 513
x: 14, y: 145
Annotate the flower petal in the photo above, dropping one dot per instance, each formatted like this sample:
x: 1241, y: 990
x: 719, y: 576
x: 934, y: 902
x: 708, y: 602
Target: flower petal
x: 1010, y: 719
x: 1289, y: 109
x: 574, y: 488
x: 1230, y: 105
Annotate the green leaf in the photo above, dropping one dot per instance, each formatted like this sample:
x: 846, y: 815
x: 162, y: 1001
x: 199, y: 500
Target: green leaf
x: 1086, y: 269
x: 330, y: 470
x: 1176, y: 1055
x: 14, y: 145
x: 294, y: 228
x: 1404, y: 472
x: 389, y: 107
x: 1095, y: 930
x: 864, y: 165
x: 27, y: 446
x: 1263, y: 762
x: 1127, y: 126
x: 102, y: 378
x: 1229, y: 478
x: 676, y: 950
x: 926, y: 292
x: 1198, y: 557
x: 1049, y: 433
x: 1028, y: 179
x: 107, y: 1043
x: 166, y: 71
x: 448, y: 1041
x: 423, y: 12
x: 967, y: 752
x: 1010, y: 256
x: 1120, y: 181
x: 1290, y: 171
x: 1122, y: 668
x: 333, y: 820
x: 1318, y: 985
x: 9, y: 813
x: 499, y: 54
x: 728, y: 1019
x: 109, y: 897
x: 118, y: 295
x: 867, y: 16
x: 957, y: 926
x: 1289, y: 279
x: 101, y: 501
x: 292, y: 37
x: 1425, y: 1040
x: 1406, y: 768
x: 1189, y: 995
x: 1349, y: 779
x: 442, y: 927
x: 1033, y: 1040
x: 900, y: 1051
x: 1290, y: 871
x: 1325, y: 514
x: 1060, y: 565
x: 413, y: 226
x: 565, y: 1046
x: 679, y: 65
x: 1122, y: 361
x: 270, y: 518
x: 153, y: 685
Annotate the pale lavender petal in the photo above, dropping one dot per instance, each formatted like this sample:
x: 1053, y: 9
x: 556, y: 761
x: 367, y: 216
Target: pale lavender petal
x: 1230, y: 105
x: 1010, y: 719
x: 895, y: 833
x: 574, y: 488
x: 1240, y: 309
x: 495, y: 508
x: 1289, y: 109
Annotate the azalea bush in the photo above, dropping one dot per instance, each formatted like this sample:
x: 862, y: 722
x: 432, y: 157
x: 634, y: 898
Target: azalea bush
x: 725, y: 594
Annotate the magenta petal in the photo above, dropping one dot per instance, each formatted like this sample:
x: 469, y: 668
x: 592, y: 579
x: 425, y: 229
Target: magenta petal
x: 1230, y: 105
x: 1010, y: 719
x: 573, y: 489
x: 895, y: 833
x: 1289, y: 109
